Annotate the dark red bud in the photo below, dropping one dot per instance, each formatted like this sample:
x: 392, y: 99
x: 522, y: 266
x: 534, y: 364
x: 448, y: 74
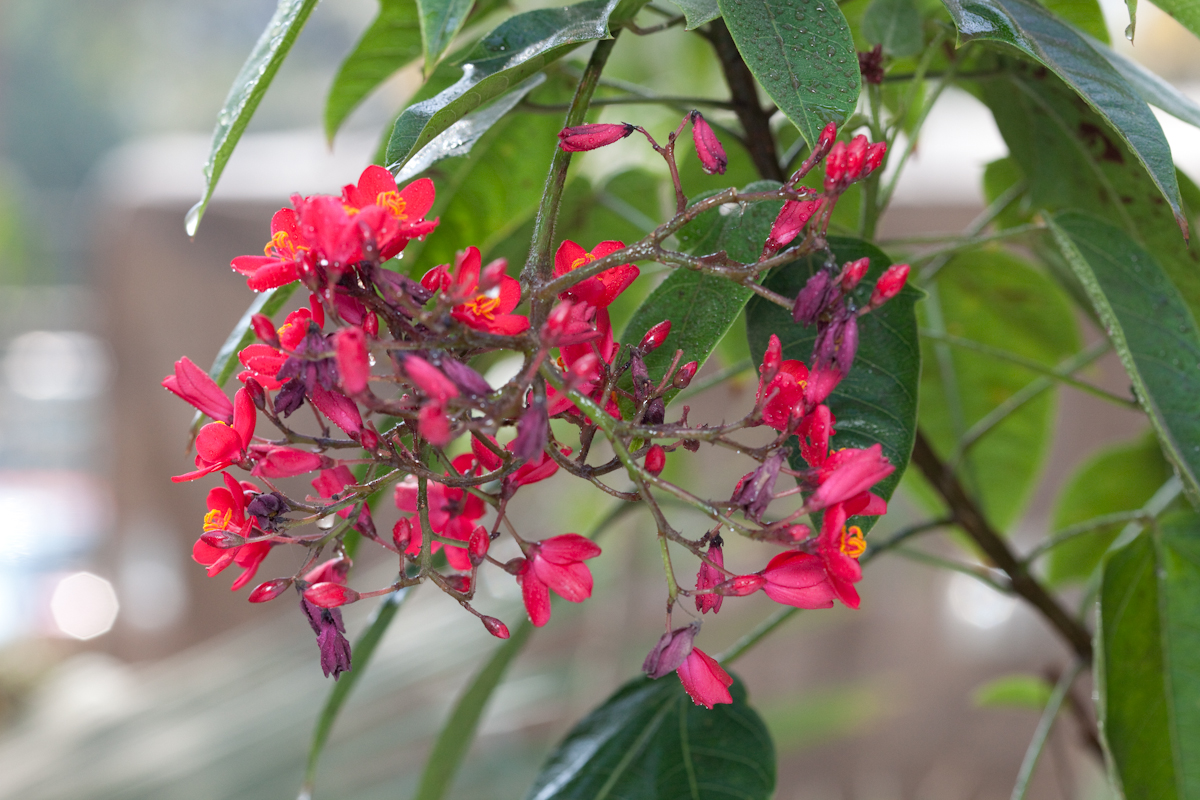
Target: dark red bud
x: 370, y: 440
x: 656, y: 459
x: 264, y: 329
x: 589, y: 137
x: 708, y: 146
x: 875, y: 154
x: 514, y: 566
x: 402, y: 534
x: 827, y: 136
x: 853, y: 272
x: 655, y: 336
x: 330, y: 595
x: 792, y: 218
x: 257, y: 396
x: 740, y: 586
x: 889, y: 284
x: 477, y: 546
x: 269, y: 590
x: 495, y: 627
x: 683, y: 377
x: 458, y: 583
x: 370, y: 324
x: 222, y: 540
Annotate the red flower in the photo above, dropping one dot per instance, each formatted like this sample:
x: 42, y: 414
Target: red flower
x: 263, y: 362
x: 599, y: 290
x: 194, y: 386
x: 407, y: 206
x: 285, y: 462
x: 798, y: 579
x: 840, y: 548
x: 556, y: 563
x: 781, y: 386
x: 227, y: 512
x: 708, y: 577
x: 704, y: 680
x: 280, y: 263
x: 476, y: 307
x: 847, y: 473
x: 220, y: 445
x: 452, y: 512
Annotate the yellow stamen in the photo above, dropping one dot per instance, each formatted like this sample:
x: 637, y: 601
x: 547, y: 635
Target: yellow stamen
x: 483, y: 306
x: 393, y: 202
x: 282, y: 245
x: 586, y: 258
x: 213, y: 521
x: 853, y: 543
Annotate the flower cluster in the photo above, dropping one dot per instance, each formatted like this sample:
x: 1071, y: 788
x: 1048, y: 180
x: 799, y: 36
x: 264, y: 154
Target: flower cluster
x: 385, y: 363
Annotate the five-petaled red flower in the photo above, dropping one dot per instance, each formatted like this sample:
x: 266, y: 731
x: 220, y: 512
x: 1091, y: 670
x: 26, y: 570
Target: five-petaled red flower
x: 556, y: 563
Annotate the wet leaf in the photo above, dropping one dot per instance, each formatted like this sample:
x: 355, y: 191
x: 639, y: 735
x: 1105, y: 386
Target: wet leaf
x: 441, y: 20
x: 895, y: 24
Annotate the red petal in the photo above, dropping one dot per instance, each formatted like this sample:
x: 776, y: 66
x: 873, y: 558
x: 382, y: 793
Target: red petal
x: 568, y: 253
x: 537, y: 598
x: 418, y: 198
x: 567, y: 548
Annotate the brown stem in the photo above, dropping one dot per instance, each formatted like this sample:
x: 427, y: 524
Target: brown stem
x: 971, y: 519
x: 755, y: 120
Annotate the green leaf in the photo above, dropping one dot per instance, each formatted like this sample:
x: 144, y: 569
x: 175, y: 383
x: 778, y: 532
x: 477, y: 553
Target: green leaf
x: 362, y: 651
x: 895, y: 24
x: 702, y: 308
x: 459, y: 731
x: 441, y: 20
x: 1036, y: 32
x: 1148, y: 662
x: 996, y: 299
x: 1118, y: 478
x: 247, y: 91
x: 1150, y: 328
x: 698, y: 12
x: 393, y: 40
x: 516, y: 49
x: 1014, y: 691
x: 1151, y: 88
x: 802, y: 53
x: 1086, y: 15
x: 268, y: 303
x: 877, y: 401
x: 1187, y: 12
x: 649, y: 742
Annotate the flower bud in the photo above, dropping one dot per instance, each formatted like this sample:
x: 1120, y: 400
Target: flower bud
x: 369, y: 440
x: 708, y: 147
x: 586, y: 367
x: 709, y: 576
x: 222, y: 540
x: 670, y: 651
x: 813, y: 298
x: 269, y: 590
x: 264, y: 329
x: 856, y: 156
x: 465, y: 378
x: 588, y: 137
x: 402, y: 534
x: 792, y: 218
x: 740, y: 586
x: 828, y: 134
x: 353, y: 361
x: 257, y: 396
x: 477, y: 545
x: 330, y: 595
x: 495, y: 627
x: 853, y: 272
x: 772, y: 359
x: 889, y: 285
x: 370, y: 324
x: 655, y: 336
x: 656, y: 459
x: 655, y: 413
x: 514, y: 565
x: 875, y: 154
x: 683, y: 377
x: 533, y: 430
x: 835, y: 165
x: 458, y: 583
x: 837, y: 343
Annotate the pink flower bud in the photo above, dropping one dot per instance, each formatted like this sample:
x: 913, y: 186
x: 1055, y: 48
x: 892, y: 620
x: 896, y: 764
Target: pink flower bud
x: 740, y: 586
x: 853, y: 272
x: 330, y: 595
x: 353, y: 362
x: 222, y: 540
x: 835, y: 166
x: 589, y: 137
x: 792, y: 218
x: 671, y: 650
x: 458, y: 583
x: 402, y: 534
x: 856, y: 156
x: 889, y: 284
x: 828, y: 134
x: 708, y: 146
x: 656, y: 459
x: 269, y: 590
x: 477, y: 546
x: 370, y: 440
x: 875, y: 154
x: 370, y: 324
x: 683, y: 377
x: 255, y: 391
x: 286, y: 462
x: 655, y: 336
x: 772, y: 359
x: 708, y: 577
x: 429, y: 379
x: 495, y: 627
x: 264, y: 329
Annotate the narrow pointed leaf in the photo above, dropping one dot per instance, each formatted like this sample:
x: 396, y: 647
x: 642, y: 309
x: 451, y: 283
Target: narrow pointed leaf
x: 649, y: 742
x: 1151, y: 88
x: 1150, y: 327
x: 393, y: 40
x: 516, y: 49
x: 247, y: 91
x: 802, y: 53
x: 1036, y: 32
x: 877, y: 401
x: 441, y: 20
x: 1187, y: 12
x: 698, y: 12
x: 459, y: 731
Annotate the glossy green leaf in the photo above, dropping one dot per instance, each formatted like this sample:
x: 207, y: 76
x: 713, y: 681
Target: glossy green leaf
x: 1187, y: 12
x: 268, y: 303
x: 1150, y: 327
x: 996, y: 299
x: 895, y: 24
x: 1119, y: 478
x: 649, y: 742
x: 459, y: 731
x: 519, y: 47
x: 393, y: 40
x: 698, y: 12
x: 1086, y: 15
x: 1151, y: 88
x: 1014, y: 691
x: 441, y: 20
x: 1148, y: 662
x: 877, y: 401
x: 802, y: 54
x: 1033, y: 30
x: 362, y: 651
x: 247, y: 91
x: 702, y: 308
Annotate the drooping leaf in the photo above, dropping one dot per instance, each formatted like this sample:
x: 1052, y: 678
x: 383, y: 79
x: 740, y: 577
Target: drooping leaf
x: 1014, y: 691
x: 1119, y: 478
x: 996, y: 299
x: 802, y: 53
x: 649, y: 742
x: 1033, y: 30
x: 247, y: 91
x: 516, y: 49
x: 1086, y: 15
x: 1187, y: 12
x: 698, y: 12
x: 362, y: 651
x: 877, y: 401
x: 702, y: 308
x: 1151, y: 88
x: 393, y: 40
x: 1150, y: 327
x: 459, y: 731
x: 268, y: 303
x: 441, y: 20
x: 895, y: 24
x: 1148, y: 662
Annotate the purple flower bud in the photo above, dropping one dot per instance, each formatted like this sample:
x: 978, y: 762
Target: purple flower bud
x: 757, y: 489
x: 290, y: 397
x: 589, y: 137
x: 335, y: 647
x: 837, y: 343
x: 655, y: 413
x: 671, y: 650
x: 813, y: 298
x: 532, y: 431
x: 708, y: 146
x: 640, y: 375
x: 465, y: 378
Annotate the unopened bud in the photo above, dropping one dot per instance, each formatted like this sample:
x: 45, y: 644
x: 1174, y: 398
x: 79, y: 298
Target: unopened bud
x: 370, y: 324
x: 269, y: 590
x: 369, y: 440
x: 828, y: 134
x: 813, y: 298
x: 655, y: 413
x: 708, y: 146
x: 772, y: 359
x: 489, y: 276
x: 477, y: 546
x: 514, y: 565
x: 330, y: 595
x: 671, y: 650
x: 655, y: 336
x: 402, y: 534
x: 856, y: 156
x: 683, y: 377
x: 656, y: 459
x: 835, y: 165
x: 889, y: 285
x: 792, y: 218
x: 495, y: 627
x: 740, y: 586
x: 458, y: 583
x: 875, y: 154
x: 222, y: 540
x: 853, y: 272
x: 264, y: 329
x: 257, y: 396
x: 589, y: 137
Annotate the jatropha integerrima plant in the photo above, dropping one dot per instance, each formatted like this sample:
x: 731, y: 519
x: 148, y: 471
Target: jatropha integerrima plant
x: 385, y: 363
